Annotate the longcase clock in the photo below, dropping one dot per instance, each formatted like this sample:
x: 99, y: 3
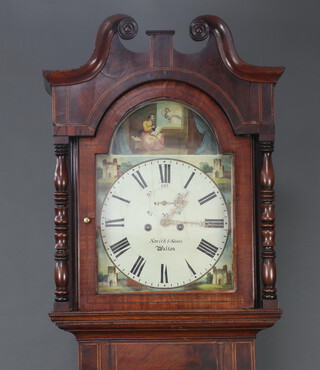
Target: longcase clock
x: 164, y: 202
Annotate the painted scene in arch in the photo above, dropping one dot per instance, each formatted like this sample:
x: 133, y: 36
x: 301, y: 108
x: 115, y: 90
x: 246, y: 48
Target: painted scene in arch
x: 164, y: 127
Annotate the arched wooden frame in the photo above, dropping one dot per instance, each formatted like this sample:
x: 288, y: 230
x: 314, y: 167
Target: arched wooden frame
x: 241, y: 147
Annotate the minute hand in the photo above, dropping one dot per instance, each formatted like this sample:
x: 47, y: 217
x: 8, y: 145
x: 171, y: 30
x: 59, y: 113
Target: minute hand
x: 167, y: 221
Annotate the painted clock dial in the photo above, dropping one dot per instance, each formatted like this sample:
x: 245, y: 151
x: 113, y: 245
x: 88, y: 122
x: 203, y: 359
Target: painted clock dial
x: 164, y: 223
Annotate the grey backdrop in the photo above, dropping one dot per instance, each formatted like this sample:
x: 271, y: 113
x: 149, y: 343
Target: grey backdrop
x: 60, y: 34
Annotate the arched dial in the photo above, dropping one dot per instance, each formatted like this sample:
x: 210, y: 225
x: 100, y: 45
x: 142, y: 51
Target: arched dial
x: 164, y: 223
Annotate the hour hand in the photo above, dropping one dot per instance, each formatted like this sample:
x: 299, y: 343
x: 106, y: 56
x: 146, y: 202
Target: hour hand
x: 181, y: 200
x: 179, y: 203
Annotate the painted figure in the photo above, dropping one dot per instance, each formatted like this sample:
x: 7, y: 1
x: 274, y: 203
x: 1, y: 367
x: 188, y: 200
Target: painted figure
x: 171, y: 116
x: 151, y: 137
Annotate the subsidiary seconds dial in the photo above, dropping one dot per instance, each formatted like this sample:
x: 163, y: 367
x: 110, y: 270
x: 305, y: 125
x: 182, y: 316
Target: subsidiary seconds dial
x: 164, y: 223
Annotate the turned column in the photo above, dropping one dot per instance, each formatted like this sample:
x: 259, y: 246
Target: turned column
x: 61, y: 224
x: 267, y: 219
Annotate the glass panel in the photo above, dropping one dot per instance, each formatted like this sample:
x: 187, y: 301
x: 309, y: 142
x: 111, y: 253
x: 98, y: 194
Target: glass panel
x: 162, y: 186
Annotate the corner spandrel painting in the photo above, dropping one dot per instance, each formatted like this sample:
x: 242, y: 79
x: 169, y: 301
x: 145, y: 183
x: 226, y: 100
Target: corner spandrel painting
x: 164, y: 129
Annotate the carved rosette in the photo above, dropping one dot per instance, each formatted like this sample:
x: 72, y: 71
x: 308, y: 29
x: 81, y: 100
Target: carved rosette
x: 127, y: 28
x: 61, y: 221
x: 267, y: 219
x: 199, y: 30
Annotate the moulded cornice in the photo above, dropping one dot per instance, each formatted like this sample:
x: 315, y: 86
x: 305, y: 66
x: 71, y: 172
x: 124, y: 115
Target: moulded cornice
x: 122, y: 24
x: 213, y: 26
x: 126, y: 27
